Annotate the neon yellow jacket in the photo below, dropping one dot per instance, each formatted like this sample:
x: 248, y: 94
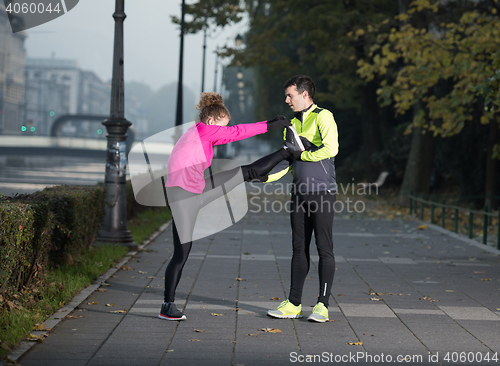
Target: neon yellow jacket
x: 316, y: 169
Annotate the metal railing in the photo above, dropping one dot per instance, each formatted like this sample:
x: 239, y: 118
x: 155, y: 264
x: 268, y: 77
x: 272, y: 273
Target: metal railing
x: 433, y: 204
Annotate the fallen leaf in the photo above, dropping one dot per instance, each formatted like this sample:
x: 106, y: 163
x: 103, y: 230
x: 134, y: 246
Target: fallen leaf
x: 141, y: 272
x: 202, y: 307
x: 376, y: 299
x: 249, y: 313
x: 428, y: 298
x: 32, y: 337
x: 355, y: 343
x: 253, y: 334
x: 485, y: 279
x: 113, y: 304
x: 102, y: 290
x: 150, y: 277
x: 105, y: 284
x: 199, y: 330
x: 270, y: 330
x: 119, y: 311
x: 215, y: 314
x: 92, y: 303
x: 39, y: 326
x: 274, y: 298
x: 169, y: 350
x: 194, y: 340
x: 422, y: 227
x: 240, y: 279
x: 236, y: 309
x: 74, y: 316
x: 126, y: 268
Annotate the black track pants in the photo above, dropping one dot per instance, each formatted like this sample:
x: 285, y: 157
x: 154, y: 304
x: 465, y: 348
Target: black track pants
x: 312, y: 212
x: 174, y: 268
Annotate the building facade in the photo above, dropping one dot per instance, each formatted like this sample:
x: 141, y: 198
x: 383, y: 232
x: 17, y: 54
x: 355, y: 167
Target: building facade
x: 57, y: 87
x: 12, y: 58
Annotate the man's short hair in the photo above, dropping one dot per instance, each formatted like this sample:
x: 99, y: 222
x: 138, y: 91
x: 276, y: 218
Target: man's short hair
x: 302, y: 83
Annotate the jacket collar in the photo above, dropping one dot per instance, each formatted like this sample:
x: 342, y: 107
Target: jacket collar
x: 302, y: 115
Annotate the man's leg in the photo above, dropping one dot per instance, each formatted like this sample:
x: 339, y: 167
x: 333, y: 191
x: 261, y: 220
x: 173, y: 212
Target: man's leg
x: 301, y: 239
x: 322, y: 221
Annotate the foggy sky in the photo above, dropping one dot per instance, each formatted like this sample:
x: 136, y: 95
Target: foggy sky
x: 151, y: 49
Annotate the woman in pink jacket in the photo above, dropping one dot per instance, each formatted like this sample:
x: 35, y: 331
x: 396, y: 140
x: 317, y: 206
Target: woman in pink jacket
x: 187, y: 188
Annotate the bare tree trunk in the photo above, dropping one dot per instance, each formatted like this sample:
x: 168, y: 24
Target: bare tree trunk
x: 370, y: 117
x: 492, y: 163
x: 419, y: 166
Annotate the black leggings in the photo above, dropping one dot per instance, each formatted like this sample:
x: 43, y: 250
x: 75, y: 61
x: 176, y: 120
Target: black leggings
x: 312, y: 212
x: 174, y: 268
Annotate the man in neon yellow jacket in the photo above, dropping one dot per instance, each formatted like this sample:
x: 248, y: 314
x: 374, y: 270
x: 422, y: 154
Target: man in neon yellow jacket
x: 313, y: 196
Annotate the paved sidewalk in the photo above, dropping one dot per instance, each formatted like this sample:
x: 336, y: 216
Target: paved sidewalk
x: 437, y: 297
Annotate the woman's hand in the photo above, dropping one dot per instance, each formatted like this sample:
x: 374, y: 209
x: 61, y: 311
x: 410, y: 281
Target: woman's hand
x: 278, y: 122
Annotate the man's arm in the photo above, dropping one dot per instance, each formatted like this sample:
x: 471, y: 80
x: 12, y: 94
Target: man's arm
x: 329, y: 137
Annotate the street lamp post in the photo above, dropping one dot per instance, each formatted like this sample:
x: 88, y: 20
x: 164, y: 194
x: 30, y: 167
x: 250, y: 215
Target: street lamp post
x: 204, y: 53
x: 114, y: 230
x: 178, y: 117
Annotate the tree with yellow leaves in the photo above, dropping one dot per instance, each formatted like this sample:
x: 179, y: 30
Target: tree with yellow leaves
x: 440, y: 70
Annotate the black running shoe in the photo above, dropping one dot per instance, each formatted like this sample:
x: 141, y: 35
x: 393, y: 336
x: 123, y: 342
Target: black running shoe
x: 292, y: 140
x: 169, y: 312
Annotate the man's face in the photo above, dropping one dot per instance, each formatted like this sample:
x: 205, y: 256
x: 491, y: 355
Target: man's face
x: 297, y: 101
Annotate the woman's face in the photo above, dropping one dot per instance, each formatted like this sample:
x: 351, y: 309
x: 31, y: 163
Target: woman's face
x: 223, y: 121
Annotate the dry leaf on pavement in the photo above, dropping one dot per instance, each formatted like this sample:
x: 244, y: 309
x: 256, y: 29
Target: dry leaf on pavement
x: 355, y: 343
x: 422, y: 227
x: 274, y: 298
x: 270, y: 330
x: 39, y: 326
x: 199, y: 330
x: 215, y: 314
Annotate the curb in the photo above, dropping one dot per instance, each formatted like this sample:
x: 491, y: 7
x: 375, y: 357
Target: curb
x: 52, y: 321
x: 462, y: 238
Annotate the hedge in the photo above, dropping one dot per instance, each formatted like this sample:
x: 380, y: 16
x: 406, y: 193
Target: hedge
x: 39, y: 229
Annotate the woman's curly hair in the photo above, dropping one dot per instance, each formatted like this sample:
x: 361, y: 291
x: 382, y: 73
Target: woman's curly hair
x: 212, y: 105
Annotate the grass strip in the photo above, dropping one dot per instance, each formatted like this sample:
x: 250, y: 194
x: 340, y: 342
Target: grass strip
x: 147, y: 222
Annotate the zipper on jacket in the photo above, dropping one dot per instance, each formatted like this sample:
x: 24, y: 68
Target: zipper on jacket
x: 323, y: 166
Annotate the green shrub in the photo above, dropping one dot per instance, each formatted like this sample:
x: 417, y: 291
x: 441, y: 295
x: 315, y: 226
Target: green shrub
x: 40, y: 229
x: 25, y: 240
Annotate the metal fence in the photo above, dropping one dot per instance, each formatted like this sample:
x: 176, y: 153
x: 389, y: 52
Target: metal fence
x: 434, y: 202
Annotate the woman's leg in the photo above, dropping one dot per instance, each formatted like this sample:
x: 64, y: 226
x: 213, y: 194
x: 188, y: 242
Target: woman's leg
x: 174, y: 268
x: 264, y: 165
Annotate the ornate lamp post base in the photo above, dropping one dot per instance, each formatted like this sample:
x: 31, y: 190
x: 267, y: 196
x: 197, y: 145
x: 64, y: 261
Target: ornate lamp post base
x: 122, y: 237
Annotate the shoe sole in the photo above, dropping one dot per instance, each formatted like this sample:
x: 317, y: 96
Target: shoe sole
x: 168, y: 318
x: 298, y: 316
x: 312, y: 319
x: 297, y: 138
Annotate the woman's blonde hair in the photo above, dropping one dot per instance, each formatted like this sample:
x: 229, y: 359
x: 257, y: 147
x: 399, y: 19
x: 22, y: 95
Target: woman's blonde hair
x: 212, y: 105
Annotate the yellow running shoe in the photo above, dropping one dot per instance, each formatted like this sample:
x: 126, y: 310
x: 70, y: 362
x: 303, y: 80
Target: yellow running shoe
x: 319, y: 314
x: 286, y: 310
